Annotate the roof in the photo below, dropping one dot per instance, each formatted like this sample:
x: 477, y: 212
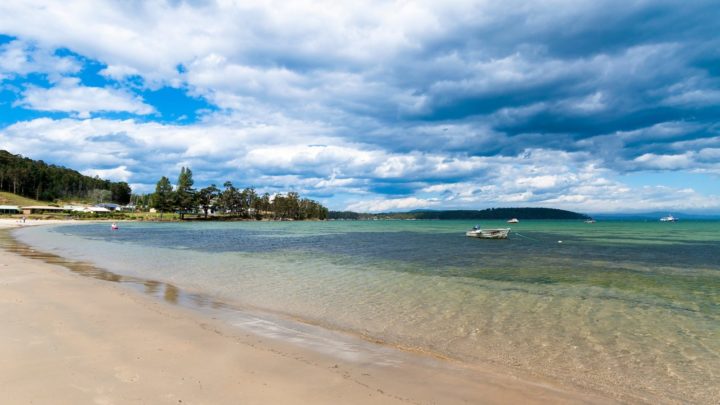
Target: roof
x: 96, y: 209
x: 9, y: 207
x: 42, y: 207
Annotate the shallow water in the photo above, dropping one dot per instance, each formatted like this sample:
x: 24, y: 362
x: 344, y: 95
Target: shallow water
x: 628, y: 307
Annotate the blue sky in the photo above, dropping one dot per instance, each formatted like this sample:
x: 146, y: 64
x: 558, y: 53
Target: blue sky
x: 372, y: 106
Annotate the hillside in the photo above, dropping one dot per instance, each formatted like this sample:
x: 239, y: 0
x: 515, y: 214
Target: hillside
x: 35, y: 179
x: 487, y: 214
x: 14, y: 199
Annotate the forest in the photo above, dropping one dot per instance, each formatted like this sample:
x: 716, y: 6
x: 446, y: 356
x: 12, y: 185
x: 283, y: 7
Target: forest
x: 40, y: 181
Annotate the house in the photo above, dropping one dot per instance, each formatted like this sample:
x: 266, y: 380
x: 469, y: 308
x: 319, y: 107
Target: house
x: 108, y: 206
x: 83, y: 208
x: 9, y: 209
x: 74, y: 208
x: 41, y: 209
x: 97, y: 210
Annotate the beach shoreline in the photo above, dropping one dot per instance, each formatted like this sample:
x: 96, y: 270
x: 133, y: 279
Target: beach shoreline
x: 81, y: 340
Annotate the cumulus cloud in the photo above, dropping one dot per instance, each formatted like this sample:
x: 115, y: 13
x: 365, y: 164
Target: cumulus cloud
x: 20, y: 58
x: 369, y: 179
x: 70, y: 96
x: 395, y: 204
x: 398, y: 104
x: 120, y: 173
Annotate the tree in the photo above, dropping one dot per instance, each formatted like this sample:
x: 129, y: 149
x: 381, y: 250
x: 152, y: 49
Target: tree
x: 293, y: 205
x: 185, y: 194
x: 279, y: 206
x: 265, y: 204
x: 163, y: 199
x: 99, y: 195
x: 141, y: 201
x: 207, y: 197
x: 247, y: 200
x: 230, y: 198
x: 120, y: 193
x: 41, y: 181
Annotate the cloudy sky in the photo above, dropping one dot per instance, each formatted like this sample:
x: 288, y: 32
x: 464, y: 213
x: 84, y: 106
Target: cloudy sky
x: 594, y: 106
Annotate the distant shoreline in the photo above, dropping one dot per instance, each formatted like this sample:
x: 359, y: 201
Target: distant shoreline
x: 486, y: 214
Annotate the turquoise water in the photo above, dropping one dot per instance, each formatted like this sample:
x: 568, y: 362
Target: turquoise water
x: 615, y: 306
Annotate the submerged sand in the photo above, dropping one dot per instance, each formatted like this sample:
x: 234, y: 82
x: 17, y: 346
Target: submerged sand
x: 72, y: 339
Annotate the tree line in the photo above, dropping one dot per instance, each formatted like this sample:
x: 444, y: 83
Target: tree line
x: 40, y: 181
x: 229, y: 201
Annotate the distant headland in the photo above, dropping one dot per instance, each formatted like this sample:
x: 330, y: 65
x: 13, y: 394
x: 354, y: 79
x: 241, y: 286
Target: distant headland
x: 486, y: 214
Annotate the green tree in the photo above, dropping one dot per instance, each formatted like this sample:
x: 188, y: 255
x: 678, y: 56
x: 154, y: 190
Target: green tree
x: 164, y: 198
x: 265, y: 204
x: 293, y: 205
x: 120, y: 193
x: 247, y: 200
x: 41, y: 181
x: 185, y: 195
x: 230, y: 199
x: 279, y: 206
x: 207, y: 197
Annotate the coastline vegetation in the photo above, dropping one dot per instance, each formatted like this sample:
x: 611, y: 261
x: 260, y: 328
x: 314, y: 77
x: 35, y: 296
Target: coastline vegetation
x: 25, y: 182
x: 227, y: 204
x: 37, y: 180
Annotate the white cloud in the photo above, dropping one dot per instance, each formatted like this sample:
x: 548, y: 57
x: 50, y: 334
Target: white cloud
x: 120, y: 173
x: 318, y: 96
x: 395, y: 204
x: 539, y: 182
x: 665, y: 162
x: 284, y: 157
x: 19, y: 58
x: 70, y: 96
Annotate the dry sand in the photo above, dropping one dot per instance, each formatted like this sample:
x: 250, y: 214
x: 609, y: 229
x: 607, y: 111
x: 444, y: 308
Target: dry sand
x: 68, y: 339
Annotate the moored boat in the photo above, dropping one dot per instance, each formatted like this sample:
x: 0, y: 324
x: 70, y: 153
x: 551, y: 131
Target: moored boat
x: 495, y: 233
x: 668, y: 218
x: 513, y: 221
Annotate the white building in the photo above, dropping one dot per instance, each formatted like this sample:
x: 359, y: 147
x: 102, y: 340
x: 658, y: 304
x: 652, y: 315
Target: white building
x: 10, y: 209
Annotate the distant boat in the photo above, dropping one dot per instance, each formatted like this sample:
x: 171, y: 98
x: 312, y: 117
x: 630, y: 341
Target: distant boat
x: 513, y: 221
x: 497, y: 233
x: 668, y: 218
x: 590, y: 221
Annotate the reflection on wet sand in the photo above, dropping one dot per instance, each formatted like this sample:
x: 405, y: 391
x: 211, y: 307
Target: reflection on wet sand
x: 158, y: 289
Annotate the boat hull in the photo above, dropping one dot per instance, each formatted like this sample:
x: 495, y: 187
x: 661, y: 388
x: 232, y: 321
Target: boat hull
x: 501, y: 233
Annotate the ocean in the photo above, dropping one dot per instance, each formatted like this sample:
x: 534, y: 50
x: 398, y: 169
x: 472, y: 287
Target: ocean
x: 617, y: 306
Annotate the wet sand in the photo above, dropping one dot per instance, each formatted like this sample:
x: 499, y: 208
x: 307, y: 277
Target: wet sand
x: 73, y: 339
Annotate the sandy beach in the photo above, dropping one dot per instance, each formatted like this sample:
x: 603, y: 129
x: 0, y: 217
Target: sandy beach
x: 73, y: 339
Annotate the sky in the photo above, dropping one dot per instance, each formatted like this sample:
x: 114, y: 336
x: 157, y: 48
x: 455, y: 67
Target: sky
x: 592, y: 106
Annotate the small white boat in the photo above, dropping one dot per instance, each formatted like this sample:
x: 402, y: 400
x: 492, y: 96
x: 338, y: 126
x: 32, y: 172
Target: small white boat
x: 590, y: 221
x: 513, y: 221
x: 497, y: 233
x: 668, y: 218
